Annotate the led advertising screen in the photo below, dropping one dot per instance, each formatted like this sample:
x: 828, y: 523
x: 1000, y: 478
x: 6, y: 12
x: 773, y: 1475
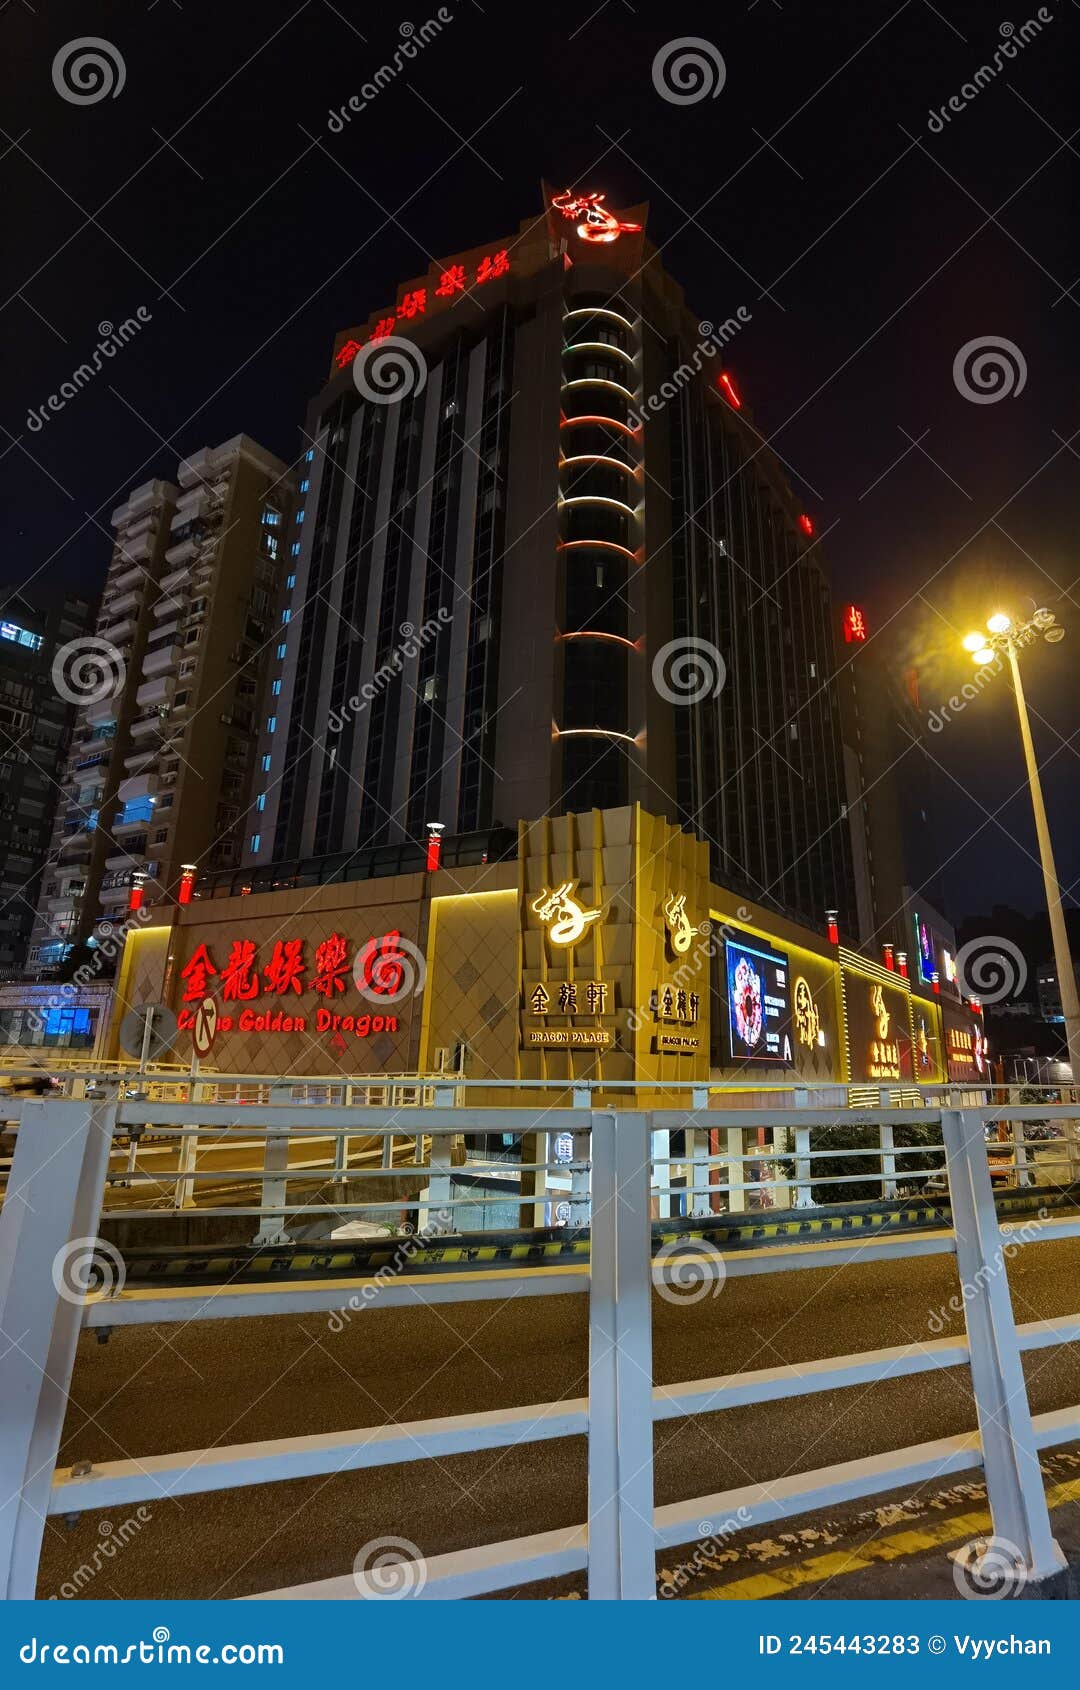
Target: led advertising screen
x: 759, y: 1002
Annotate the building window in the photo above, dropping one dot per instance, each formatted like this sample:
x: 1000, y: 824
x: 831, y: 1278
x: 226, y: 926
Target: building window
x: 271, y: 517
x: 309, y: 454
x: 276, y: 688
x: 290, y: 582
x: 286, y: 616
x: 21, y: 636
x: 260, y: 802
x: 271, y: 724
x: 266, y: 763
x: 256, y: 841
x: 269, y: 545
x: 295, y: 548
x: 299, y: 518
x: 304, y: 485
x: 281, y: 651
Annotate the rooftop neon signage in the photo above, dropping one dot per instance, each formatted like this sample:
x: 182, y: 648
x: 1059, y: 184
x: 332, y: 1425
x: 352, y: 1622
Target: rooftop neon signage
x: 598, y: 224
x: 454, y: 280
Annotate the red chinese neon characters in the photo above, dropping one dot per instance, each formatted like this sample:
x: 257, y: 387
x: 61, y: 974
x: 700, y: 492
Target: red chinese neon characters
x: 285, y: 970
x: 380, y: 966
x: 854, y: 624
x: 599, y: 224
x: 331, y: 965
x: 196, y: 973
x: 240, y: 976
x: 453, y: 280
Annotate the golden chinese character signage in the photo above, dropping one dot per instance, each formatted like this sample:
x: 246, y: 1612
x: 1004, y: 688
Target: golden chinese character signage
x: 565, y: 918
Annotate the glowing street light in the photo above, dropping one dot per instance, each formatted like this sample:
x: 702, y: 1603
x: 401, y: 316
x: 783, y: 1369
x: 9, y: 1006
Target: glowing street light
x: 1005, y: 638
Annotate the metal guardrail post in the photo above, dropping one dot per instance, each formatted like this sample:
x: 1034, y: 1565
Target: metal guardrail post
x: 48, y: 1228
x: 1014, y: 1481
x: 622, y: 1563
x: 804, y: 1197
x: 736, y: 1171
x: 275, y: 1181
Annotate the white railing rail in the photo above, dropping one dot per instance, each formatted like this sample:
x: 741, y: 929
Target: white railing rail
x: 58, y: 1181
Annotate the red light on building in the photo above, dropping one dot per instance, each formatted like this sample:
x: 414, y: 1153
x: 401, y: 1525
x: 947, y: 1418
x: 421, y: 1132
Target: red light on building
x: 806, y: 523
x: 727, y: 387
x: 434, y: 846
x: 832, y: 919
x: 854, y: 625
x: 901, y: 963
x: 187, y: 883
x: 937, y: 983
x: 888, y: 958
x: 135, y: 896
x: 598, y: 223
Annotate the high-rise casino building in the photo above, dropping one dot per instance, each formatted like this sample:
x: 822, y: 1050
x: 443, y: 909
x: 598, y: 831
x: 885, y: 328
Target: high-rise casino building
x: 543, y: 563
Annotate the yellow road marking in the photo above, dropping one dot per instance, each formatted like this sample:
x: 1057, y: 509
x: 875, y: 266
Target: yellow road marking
x: 817, y: 1568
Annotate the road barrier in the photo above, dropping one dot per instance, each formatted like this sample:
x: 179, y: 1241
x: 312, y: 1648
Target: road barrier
x: 621, y: 1167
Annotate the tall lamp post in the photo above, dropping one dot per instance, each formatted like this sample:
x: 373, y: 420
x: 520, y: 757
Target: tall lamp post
x: 1005, y: 637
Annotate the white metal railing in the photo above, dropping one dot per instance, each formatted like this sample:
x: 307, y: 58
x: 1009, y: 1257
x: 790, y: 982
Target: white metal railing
x: 55, y: 1203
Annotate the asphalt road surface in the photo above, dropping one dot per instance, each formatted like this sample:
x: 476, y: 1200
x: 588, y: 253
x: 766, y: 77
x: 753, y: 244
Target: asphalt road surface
x: 157, y: 1390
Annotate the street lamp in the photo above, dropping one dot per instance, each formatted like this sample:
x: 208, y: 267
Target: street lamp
x: 1006, y: 637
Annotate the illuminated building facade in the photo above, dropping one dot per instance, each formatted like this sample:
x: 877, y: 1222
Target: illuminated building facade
x: 35, y: 732
x: 163, y: 758
x: 559, y: 571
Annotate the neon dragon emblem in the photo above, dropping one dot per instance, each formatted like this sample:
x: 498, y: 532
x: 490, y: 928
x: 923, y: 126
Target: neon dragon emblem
x: 565, y: 918
x: 678, y: 923
x: 877, y: 1004
x: 599, y: 224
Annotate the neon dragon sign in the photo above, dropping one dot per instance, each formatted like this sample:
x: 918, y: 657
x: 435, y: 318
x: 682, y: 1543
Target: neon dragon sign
x: 598, y: 224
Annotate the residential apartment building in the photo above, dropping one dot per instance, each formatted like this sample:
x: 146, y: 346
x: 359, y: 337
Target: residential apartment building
x: 35, y: 733
x: 159, y: 780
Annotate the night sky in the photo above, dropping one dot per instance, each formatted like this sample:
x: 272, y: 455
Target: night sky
x: 811, y: 190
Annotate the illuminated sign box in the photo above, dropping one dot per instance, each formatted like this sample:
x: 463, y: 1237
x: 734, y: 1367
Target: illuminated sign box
x: 677, y: 1044
x: 758, y: 1001
x: 573, y: 1038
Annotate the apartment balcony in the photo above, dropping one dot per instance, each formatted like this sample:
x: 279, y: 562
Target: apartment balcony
x: 160, y: 659
x: 101, y: 711
x: 136, y: 544
x: 157, y: 691
x: 151, y: 721
x: 129, y: 858
x: 183, y: 552
x: 133, y: 818
x: 119, y: 630
x: 139, y: 759
x: 125, y: 601
x: 176, y: 577
x: 137, y: 786
x: 114, y: 897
